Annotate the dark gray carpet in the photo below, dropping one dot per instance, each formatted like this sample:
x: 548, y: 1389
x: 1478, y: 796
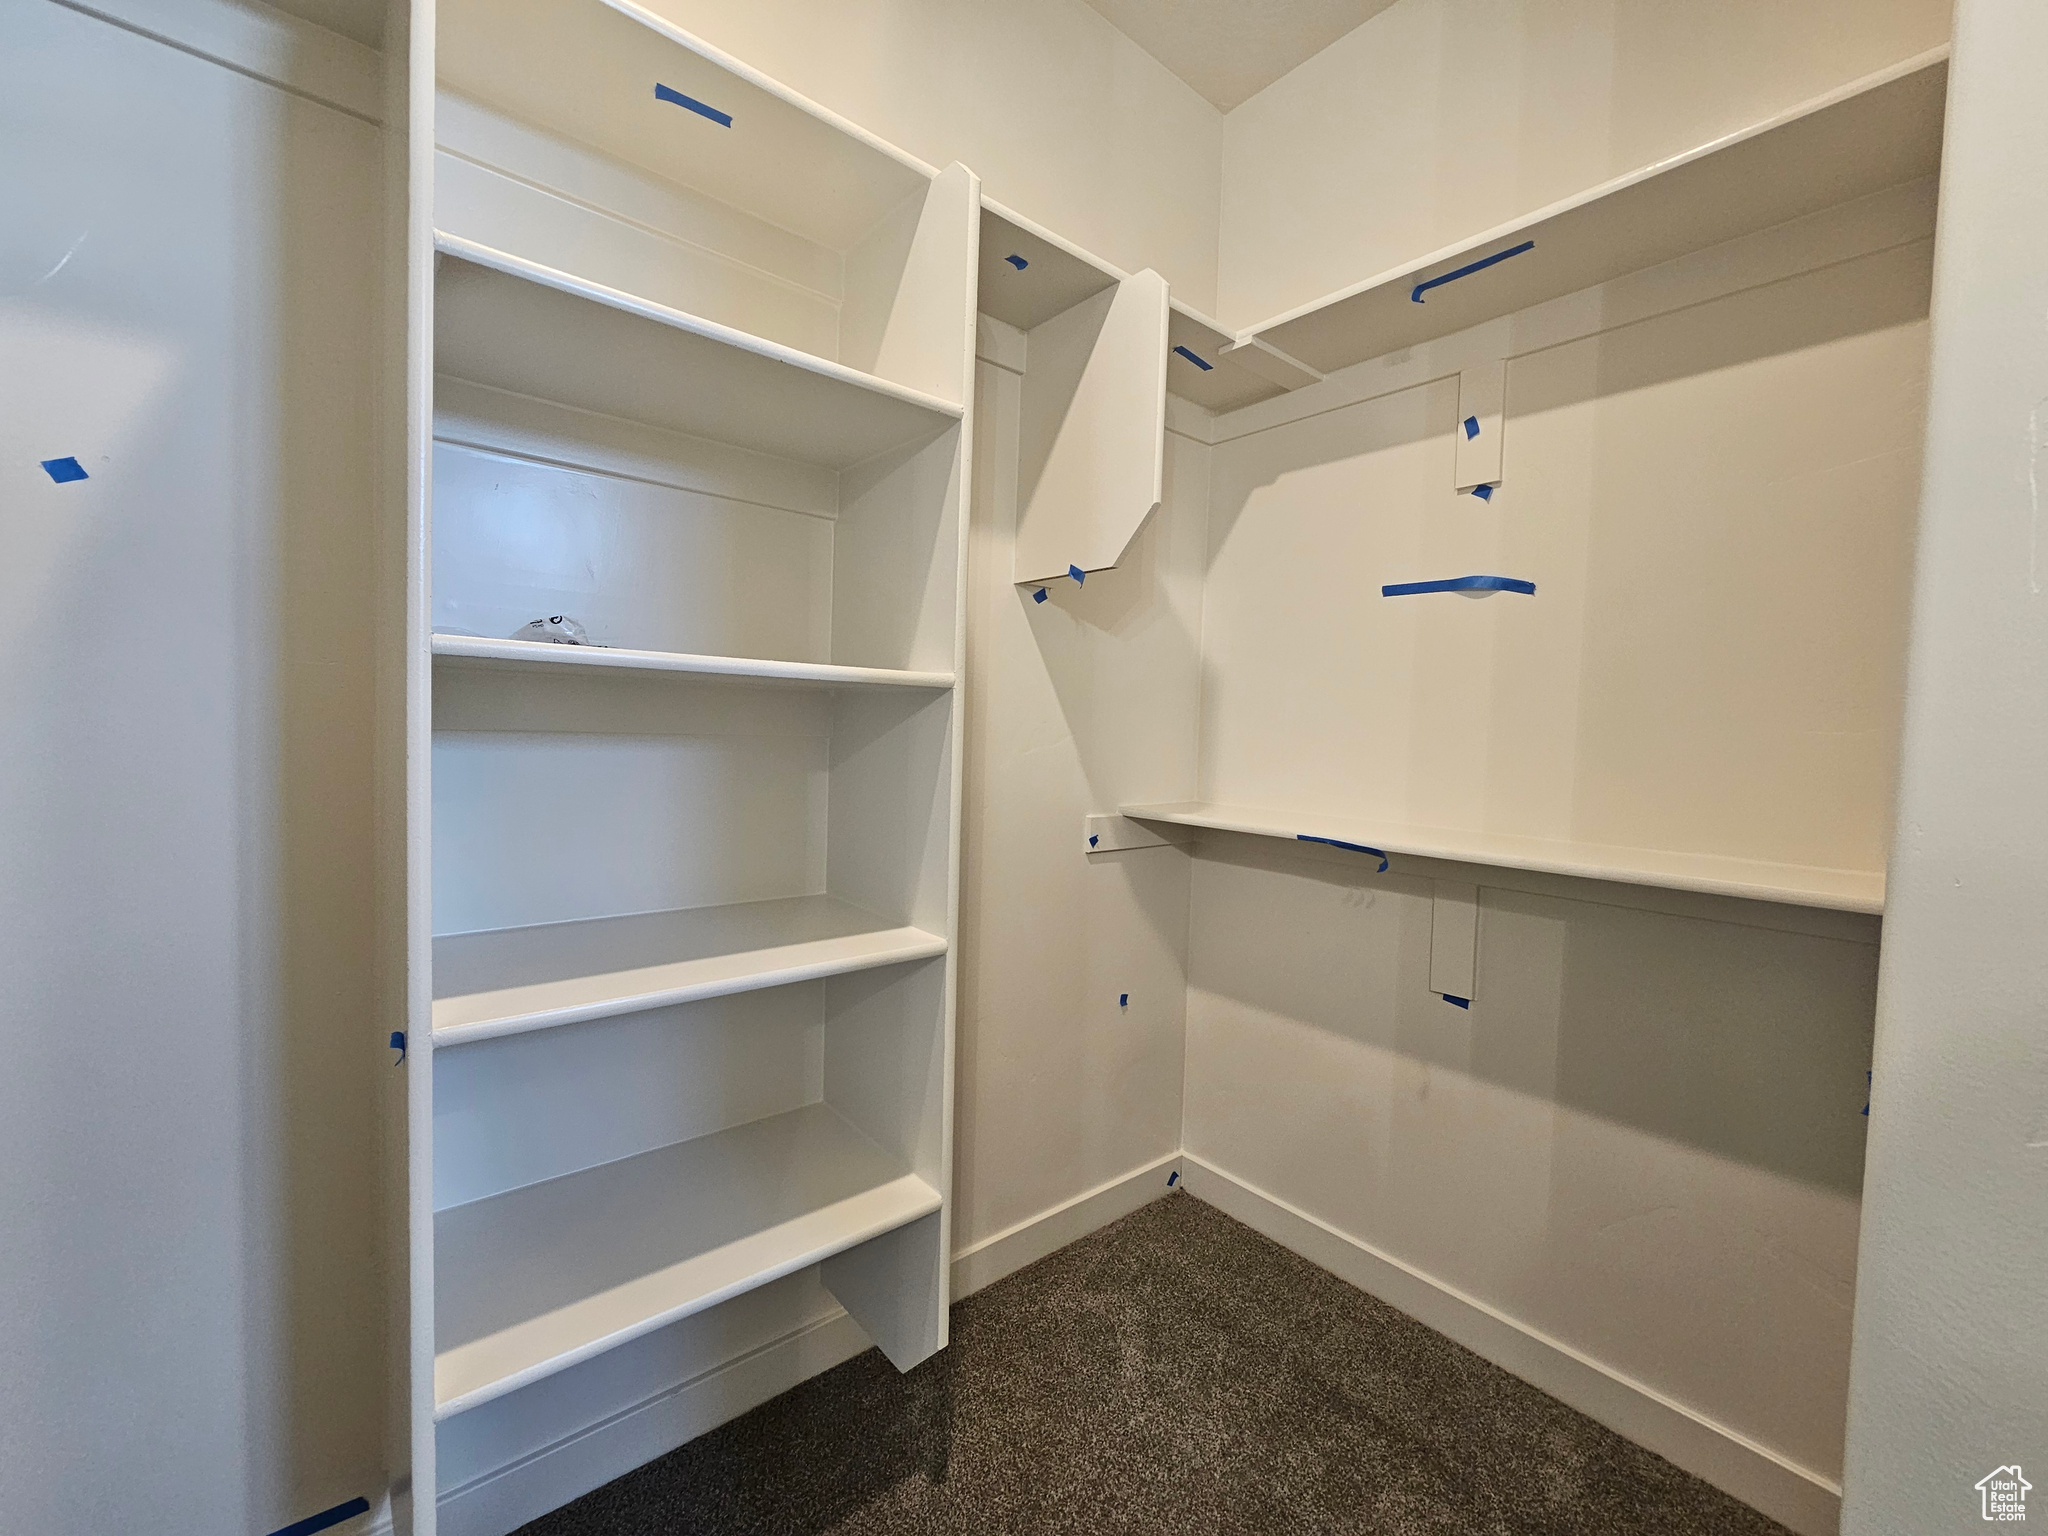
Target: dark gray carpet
x: 1175, y: 1372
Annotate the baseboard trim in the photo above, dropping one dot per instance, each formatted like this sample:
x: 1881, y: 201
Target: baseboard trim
x: 508, y: 1497
x: 1051, y: 1230
x: 1753, y: 1473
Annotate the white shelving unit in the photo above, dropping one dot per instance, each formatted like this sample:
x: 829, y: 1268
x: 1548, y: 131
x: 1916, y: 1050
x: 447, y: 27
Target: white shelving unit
x: 691, y: 364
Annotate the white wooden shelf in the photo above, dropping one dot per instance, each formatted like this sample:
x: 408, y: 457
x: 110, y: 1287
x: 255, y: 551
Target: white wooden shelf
x: 535, y: 1280
x: 1842, y: 890
x: 513, y: 324
x: 506, y: 981
x: 1875, y: 133
x: 588, y: 71
x: 466, y: 651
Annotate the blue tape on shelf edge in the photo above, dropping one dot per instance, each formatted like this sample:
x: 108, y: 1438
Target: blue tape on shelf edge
x: 1461, y: 584
x: 1466, y: 271
x: 1080, y: 576
x: 1017, y: 261
x: 1173, y: 1178
x: 398, y: 1044
x: 1483, y: 492
x: 1303, y: 837
x: 1455, y: 1002
x: 669, y: 94
x: 1205, y: 367
x: 65, y: 470
x: 326, y: 1518
x: 1040, y: 595
x: 1471, y: 427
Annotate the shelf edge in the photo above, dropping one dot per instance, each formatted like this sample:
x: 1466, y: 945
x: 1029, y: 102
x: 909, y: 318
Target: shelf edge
x: 541, y: 653
x: 916, y: 945
x: 1221, y: 820
x: 479, y: 254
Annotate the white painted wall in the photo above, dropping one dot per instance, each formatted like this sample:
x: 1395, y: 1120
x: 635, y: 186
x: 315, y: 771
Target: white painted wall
x: 1947, y: 1373
x: 193, y: 1306
x: 1063, y: 117
x: 1439, y: 119
x: 1641, y: 1147
x: 1075, y: 705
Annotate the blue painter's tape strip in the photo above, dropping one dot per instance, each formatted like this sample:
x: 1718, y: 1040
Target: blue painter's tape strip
x: 1078, y: 574
x: 1123, y: 1000
x: 1093, y: 839
x: 1303, y: 837
x: 1039, y: 596
x: 667, y: 93
x: 1173, y: 1178
x: 1017, y: 261
x: 1205, y: 367
x: 1466, y: 271
x: 1483, y: 492
x: 326, y: 1518
x: 1461, y: 584
x: 1455, y: 1002
x: 1471, y: 427
x: 64, y: 470
x: 398, y: 1044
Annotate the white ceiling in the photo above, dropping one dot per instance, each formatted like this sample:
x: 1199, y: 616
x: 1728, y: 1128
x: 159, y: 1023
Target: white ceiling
x: 1229, y: 50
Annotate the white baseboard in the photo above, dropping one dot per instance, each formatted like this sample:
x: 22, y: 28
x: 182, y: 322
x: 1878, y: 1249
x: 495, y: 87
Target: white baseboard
x: 505, y: 1499
x: 1787, y: 1492
x: 1049, y: 1231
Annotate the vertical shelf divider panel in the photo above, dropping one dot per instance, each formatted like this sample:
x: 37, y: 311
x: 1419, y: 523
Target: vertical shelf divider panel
x: 702, y: 354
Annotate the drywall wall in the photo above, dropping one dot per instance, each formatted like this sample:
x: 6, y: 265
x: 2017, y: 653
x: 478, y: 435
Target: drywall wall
x: 1063, y: 117
x: 1642, y: 1143
x: 1440, y: 119
x: 1945, y: 1382
x: 1074, y: 705
x: 188, y: 1169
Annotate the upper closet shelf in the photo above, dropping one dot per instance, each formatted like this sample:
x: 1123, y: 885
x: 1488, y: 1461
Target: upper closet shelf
x: 515, y: 325
x: 1842, y: 890
x: 617, y: 77
x: 505, y: 981
x: 1876, y: 133
x: 1029, y: 275
x: 545, y: 657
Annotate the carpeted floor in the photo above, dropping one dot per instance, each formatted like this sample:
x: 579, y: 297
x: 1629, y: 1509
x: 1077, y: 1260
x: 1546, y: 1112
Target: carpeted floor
x: 1175, y: 1372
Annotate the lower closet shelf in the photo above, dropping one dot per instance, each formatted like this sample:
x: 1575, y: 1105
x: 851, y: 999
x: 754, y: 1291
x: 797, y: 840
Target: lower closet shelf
x: 507, y: 980
x: 535, y: 1280
x: 1803, y: 885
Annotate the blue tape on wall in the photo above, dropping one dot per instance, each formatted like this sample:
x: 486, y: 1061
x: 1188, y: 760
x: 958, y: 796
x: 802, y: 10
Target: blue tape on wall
x: 1461, y: 584
x: 326, y: 1518
x: 1455, y: 1002
x: 1017, y: 261
x: 1093, y: 839
x: 1205, y: 367
x: 1078, y: 574
x: 398, y: 1044
x: 64, y: 470
x: 1303, y: 837
x: 665, y: 93
x: 1471, y: 427
x: 1123, y: 1000
x: 1478, y: 266
x: 1173, y: 1178
x: 1039, y: 596
x: 1483, y: 492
